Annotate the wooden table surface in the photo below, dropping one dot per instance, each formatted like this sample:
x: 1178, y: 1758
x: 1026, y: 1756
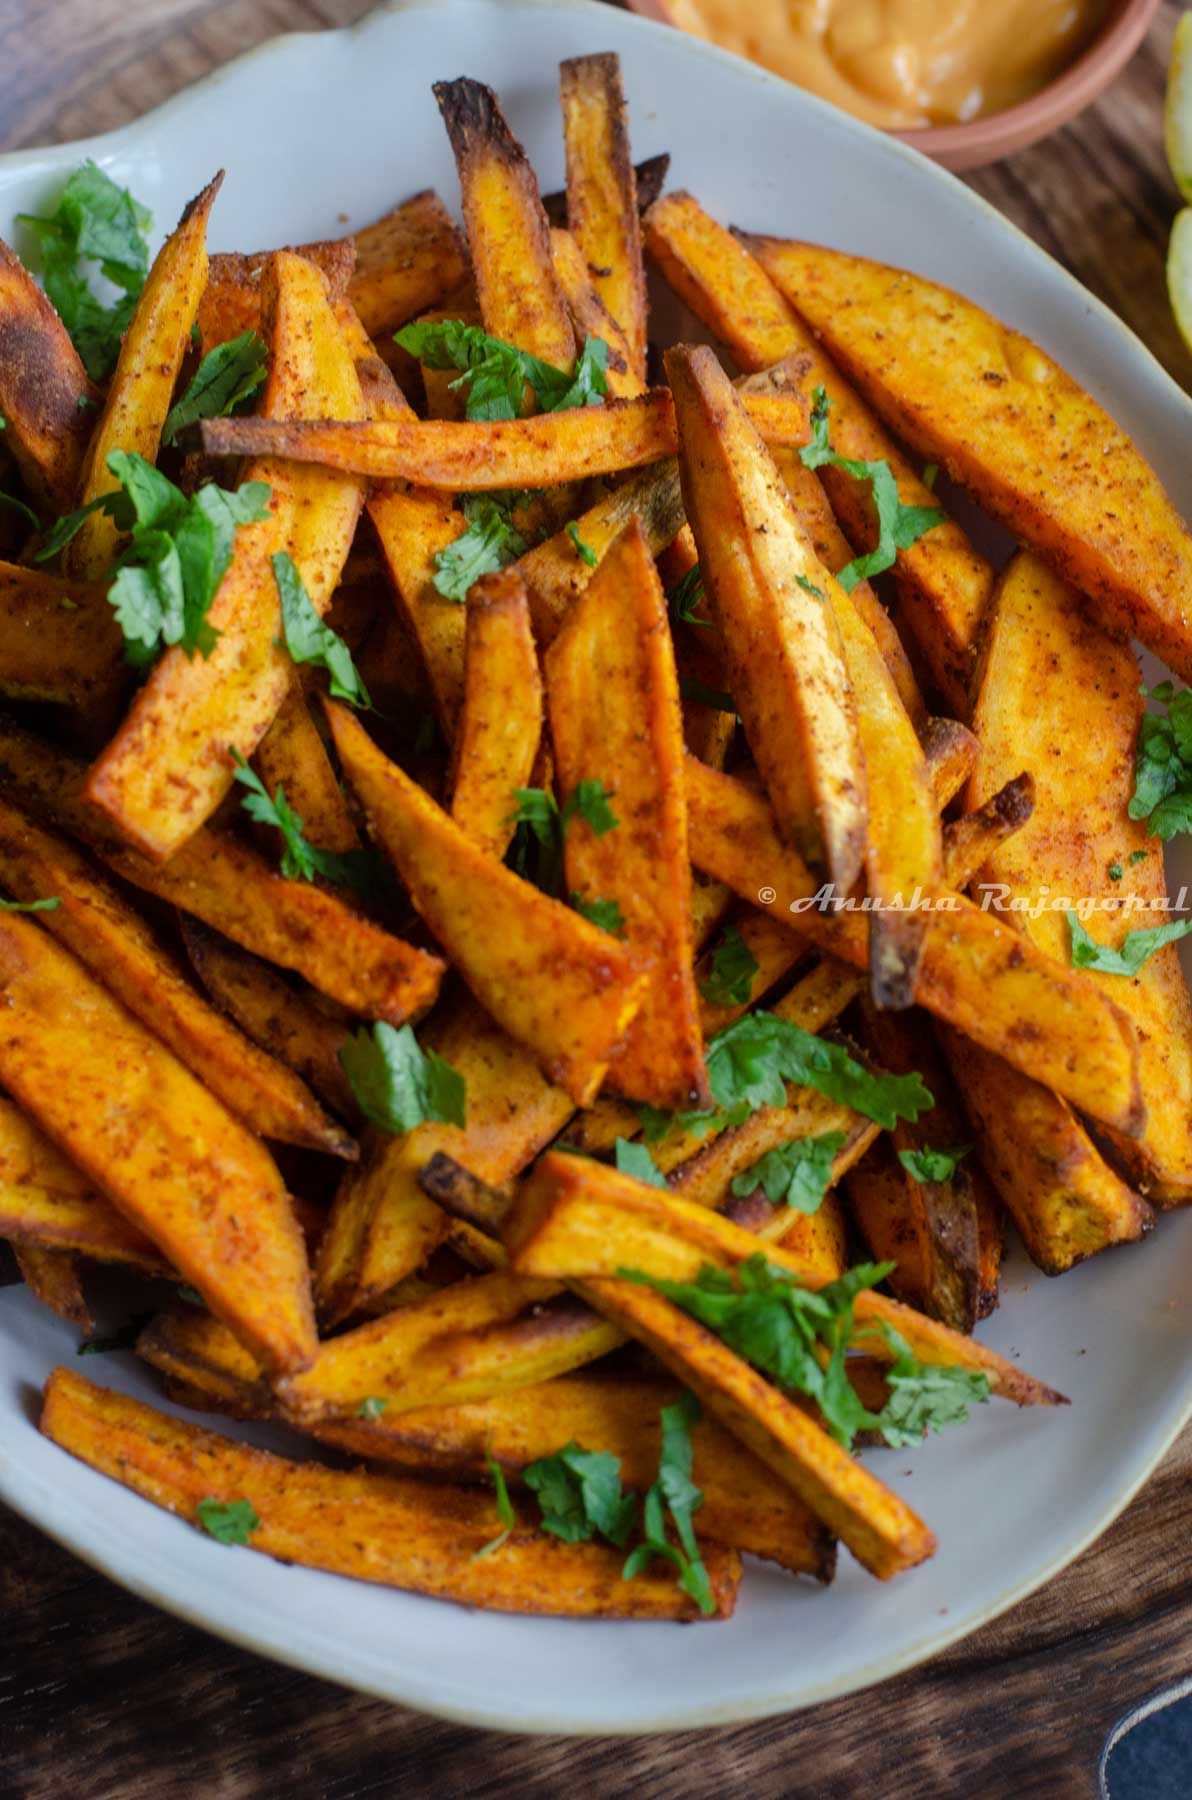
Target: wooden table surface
x: 103, y: 1698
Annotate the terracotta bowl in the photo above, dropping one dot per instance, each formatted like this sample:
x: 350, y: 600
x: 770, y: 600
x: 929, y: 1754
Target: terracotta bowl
x: 986, y: 140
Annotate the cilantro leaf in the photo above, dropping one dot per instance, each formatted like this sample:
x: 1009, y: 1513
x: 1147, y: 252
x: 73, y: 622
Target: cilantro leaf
x: 1115, y: 871
x: 20, y: 506
x: 579, y: 1493
x: 178, y: 554
x: 809, y: 587
x: 751, y: 1061
x: 397, y: 1084
x: 495, y: 373
x: 371, y: 1408
x: 490, y: 543
x: 27, y: 906
x: 1137, y: 946
x: 933, y: 1165
x: 605, y: 913
x: 590, y: 802
x: 309, y: 639
x: 634, y: 1159
x: 899, y: 526
x: 505, y: 1512
x: 1137, y: 856
x: 684, y: 596
x: 541, y: 822
x: 300, y: 860
x: 228, y: 1521
x: 1163, y: 765
x: 795, y: 1174
x: 584, y: 551
x: 733, y: 968
x: 123, y: 1338
x: 675, y: 1493
x: 925, y: 1396
x: 227, y: 377
x: 98, y: 223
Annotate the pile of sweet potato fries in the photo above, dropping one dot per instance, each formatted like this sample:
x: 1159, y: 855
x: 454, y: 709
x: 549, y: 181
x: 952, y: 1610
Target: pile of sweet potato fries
x: 444, y: 730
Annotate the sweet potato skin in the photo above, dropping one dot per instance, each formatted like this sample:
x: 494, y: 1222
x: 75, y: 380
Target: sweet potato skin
x: 501, y: 723
x: 231, y: 303
x: 780, y: 641
x: 590, y: 316
x: 1059, y: 697
x: 45, y: 393
x: 179, y: 1166
x: 142, y: 383
x: 1003, y: 417
x: 373, y: 1527
x: 168, y: 767
x: 561, y: 986
x: 614, y: 708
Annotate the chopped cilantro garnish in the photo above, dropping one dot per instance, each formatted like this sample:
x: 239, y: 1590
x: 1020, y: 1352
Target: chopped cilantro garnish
x: 634, y: 1159
x: 684, y: 596
x: 691, y: 688
x: 675, y: 1493
x: 490, y: 542
x: 95, y: 225
x: 809, y: 587
x: 1137, y: 946
x: 495, y: 373
x: 579, y: 1493
x: 1115, y: 871
x: 933, y: 1165
x: 899, y: 526
x: 124, y: 1338
x: 799, y: 1336
x: 179, y: 552
x: 505, y: 1512
x: 605, y: 913
x: 733, y: 968
x: 228, y: 376
x: 1163, y: 765
x: 795, y: 1174
x: 1137, y: 856
x: 18, y: 906
x: 397, y: 1084
x: 309, y: 639
x: 371, y: 1408
x: 543, y: 825
x: 584, y: 551
x: 228, y: 1521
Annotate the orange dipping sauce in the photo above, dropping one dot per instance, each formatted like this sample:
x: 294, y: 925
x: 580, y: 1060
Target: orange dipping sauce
x: 904, y: 64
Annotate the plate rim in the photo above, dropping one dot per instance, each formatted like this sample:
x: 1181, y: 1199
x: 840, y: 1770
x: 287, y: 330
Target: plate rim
x: 65, y: 1519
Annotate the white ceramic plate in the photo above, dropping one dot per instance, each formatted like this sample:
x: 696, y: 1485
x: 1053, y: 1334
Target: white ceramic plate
x: 313, y: 127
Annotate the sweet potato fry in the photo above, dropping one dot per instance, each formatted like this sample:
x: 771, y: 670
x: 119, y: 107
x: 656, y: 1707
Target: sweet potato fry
x: 45, y: 393
x: 928, y: 1227
x: 59, y: 640
x: 591, y: 317
x: 98, y: 925
x: 602, y: 204
x: 521, y: 301
x: 780, y: 640
x: 1003, y: 418
x: 231, y: 303
x: 413, y: 526
x: 224, y: 883
x: 557, y: 984
x: 880, y: 1529
x: 650, y: 176
x: 706, y: 1178
x: 1065, y: 1200
x: 1059, y: 697
x: 555, y: 576
x: 46, y: 1201
x: 480, y: 1336
x: 976, y: 974
x: 614, y: 710
x: 177, y: 1165
x: 52, y: 1277
x: 382, y: 1225
x: 576, y: 1220
x: 292, y: 755
x: 406, y: 261
x: 501, y: 723
x: 943, y: 580
x: 379, y: 1528
x: 168, y: 767
x: 142, y: 383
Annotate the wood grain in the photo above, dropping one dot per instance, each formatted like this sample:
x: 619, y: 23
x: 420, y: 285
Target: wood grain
x: 103, y: 1698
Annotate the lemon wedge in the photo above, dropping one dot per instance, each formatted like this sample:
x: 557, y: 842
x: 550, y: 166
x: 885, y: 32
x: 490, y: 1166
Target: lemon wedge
x: 1177, y: 118
x: 1179, y: 272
